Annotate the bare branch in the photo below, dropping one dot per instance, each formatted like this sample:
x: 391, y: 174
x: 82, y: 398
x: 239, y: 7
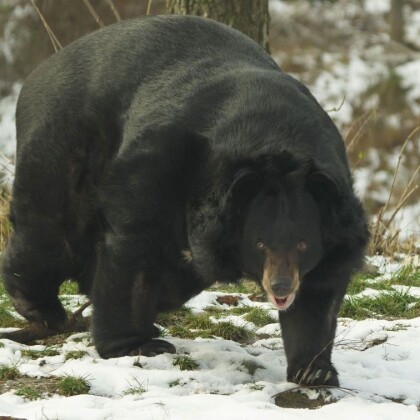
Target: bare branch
x: 93, y: 13
x: 55, y: 42
x: 114, y: 10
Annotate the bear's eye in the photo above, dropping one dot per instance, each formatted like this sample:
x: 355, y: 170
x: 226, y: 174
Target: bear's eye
x: 302, y: 245
x: 260, y: 245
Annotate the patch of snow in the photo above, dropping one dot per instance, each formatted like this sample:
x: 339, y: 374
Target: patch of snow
x: 281, y: 8
x: 7, y: 122
x: 347, y: 80
x: 409, y: 80
x: 377, y: 6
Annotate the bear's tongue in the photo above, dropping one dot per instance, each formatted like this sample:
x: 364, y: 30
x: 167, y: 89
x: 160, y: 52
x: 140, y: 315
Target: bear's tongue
x: 282, y: 303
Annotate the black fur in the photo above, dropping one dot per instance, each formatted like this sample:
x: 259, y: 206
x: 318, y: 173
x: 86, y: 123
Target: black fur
x: 156, y: 136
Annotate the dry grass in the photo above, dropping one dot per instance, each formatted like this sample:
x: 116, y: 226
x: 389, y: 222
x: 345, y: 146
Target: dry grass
x: 357, y: 129
x: 5, y: 225
x: 385, y: 237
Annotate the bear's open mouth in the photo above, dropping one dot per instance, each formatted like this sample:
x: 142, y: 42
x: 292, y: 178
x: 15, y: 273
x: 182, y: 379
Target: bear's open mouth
x: 282, y: 303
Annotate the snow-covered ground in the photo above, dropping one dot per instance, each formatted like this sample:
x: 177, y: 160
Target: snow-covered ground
x: 373, y: 375
x: 378, y: 362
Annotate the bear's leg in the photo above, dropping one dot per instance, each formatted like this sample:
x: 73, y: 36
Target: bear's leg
x: 308, y: 330
x: 178, y: 286
x: 34, y: 266
x: 125, y: 294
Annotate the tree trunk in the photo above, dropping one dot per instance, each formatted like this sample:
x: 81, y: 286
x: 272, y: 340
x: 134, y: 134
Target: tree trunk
x: 396, y: 20
x: 251, y: 17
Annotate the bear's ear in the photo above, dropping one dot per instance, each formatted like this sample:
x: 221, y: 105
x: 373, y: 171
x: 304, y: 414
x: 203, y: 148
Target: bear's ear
x: 245, y: 185
x: 322, y: 186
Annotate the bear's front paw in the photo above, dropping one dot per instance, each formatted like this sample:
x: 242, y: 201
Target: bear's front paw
x: 315, y: 373
x: 153, y: 348
x: 133, y: 347
x: 49, y: 313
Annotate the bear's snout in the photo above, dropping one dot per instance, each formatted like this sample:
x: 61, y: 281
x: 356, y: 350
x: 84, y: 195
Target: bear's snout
x: 281, y: 285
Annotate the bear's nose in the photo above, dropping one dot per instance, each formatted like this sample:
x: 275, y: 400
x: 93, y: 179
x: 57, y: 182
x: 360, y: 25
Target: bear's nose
x: 281, y: 285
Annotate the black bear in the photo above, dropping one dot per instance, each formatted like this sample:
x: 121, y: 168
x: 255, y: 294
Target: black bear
x: 159, y: 155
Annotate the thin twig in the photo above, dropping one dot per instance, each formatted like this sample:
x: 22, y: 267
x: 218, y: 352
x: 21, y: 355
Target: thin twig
x: 377, y: 226
x: 93, y: 13
x: 79, y: 311
x: 410, y: 182
x: 336, y: 109
x: 365, y: 118
x: 398, y: 208
x: 149, y: 7
x: 379, y: 237
x: 396, y: 172
x: 114, y: 10
x: 55, y: 42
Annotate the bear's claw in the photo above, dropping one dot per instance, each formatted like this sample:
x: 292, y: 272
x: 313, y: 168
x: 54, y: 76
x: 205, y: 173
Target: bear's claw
x: 314, y: 375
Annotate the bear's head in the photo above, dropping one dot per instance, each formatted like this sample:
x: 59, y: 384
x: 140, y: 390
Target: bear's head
x: 294, y: 214
x: 281, y: 241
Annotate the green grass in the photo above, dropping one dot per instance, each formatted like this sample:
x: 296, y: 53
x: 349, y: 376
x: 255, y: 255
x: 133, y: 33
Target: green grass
x: 185, y: 362
x: 406, y: 276
x: 358, y: 283
x: 9, y: 372
x: 69, y: 288
x: 184, y: 324
x: 75, y: 354
x: 36, y: 354
x: 232, y: 332
x: 6, y: 318
x: 259, y: 316
x: 29, y: 393
x: 243, y: 286
x: 180, y: 316
x: 73, y: 385
x: 388, y: 305
x: 251, y: 367
x: 256, y: 387
x: 2, y: 289
x: 135, y: 389
x: 174, y: 383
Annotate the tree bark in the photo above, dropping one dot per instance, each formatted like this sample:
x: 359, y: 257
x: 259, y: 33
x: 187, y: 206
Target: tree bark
x: 396, y: 20
x: 251, y: 17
